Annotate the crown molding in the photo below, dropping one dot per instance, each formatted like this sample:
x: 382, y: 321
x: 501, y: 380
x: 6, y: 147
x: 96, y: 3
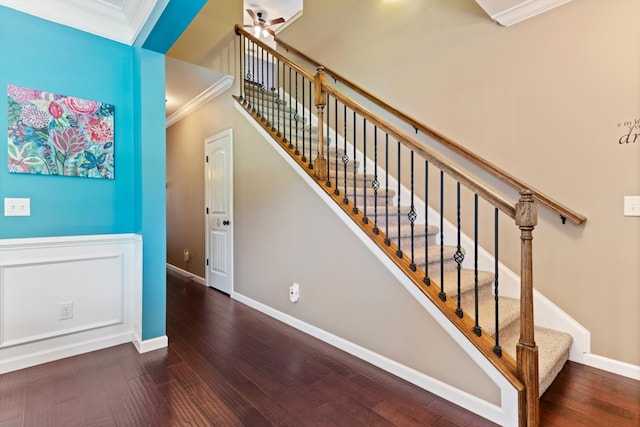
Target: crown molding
x: 108, y: 20
x: 519, y: 11
x: 214, y: 90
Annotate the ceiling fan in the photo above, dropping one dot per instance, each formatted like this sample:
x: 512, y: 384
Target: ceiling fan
x: 261, y: 25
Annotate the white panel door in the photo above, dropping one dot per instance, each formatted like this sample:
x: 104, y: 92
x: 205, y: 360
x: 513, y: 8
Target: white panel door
x: 219, y: 211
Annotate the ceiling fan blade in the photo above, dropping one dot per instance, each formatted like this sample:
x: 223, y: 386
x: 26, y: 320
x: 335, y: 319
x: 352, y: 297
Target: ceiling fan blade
x: 276, y: 21
x: 270, y: 31
x: 251, y: 14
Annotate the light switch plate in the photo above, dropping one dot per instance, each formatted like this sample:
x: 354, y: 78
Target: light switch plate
x: 17, y: 207
x: 631, y: 205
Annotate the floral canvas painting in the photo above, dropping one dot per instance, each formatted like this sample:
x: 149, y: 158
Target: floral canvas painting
x: 54, y: 134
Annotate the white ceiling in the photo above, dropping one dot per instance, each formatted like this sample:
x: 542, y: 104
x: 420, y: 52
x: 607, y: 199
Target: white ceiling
x: 119, y: 20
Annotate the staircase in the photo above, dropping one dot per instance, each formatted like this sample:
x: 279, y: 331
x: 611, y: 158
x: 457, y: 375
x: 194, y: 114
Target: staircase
x: 553, y: 345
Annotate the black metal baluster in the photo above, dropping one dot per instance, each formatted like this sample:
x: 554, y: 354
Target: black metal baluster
x: 387, y: 241
x: 364, y: 171
x: 426, y: 280
x: 442, y: 294
x: 278, y: 100
x: 297, y: 115
x: 399, y: 251
x: 274, y: 95
x: 241, y: 67
x: 336, y: 191
x: 458, y: 256
x: 345, y: 157
x: 375, y: 184
x: 412, y: 217
x: 355, y: 196
x: 262, y: 87
x: 289, y: 108
x: 496, y: 348
x: 310, y: 127
x: 476, y: 327
x: 252, y: 77
x: 304, y: 131
x: 328, y: 115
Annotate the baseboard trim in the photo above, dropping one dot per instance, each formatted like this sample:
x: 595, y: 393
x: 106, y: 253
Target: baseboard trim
x: 452, y: 394
x: 186, y: 274
x: 144, y: 346
x: 612, y: 365
x: 61, y: 352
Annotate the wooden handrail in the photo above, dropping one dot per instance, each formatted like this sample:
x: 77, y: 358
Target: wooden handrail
x: 418, y: 148
x: 564, y: 212
x: 295, y: 67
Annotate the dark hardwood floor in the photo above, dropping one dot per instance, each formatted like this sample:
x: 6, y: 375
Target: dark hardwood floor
x: 228, y: 365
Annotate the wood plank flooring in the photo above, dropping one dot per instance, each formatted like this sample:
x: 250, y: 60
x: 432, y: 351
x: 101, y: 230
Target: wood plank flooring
x: 228, y: 365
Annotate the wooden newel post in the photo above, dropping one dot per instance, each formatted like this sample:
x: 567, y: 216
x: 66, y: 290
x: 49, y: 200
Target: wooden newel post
x: 527, y: 350
x: 320, y: 163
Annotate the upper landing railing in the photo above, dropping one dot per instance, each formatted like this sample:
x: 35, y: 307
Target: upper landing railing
x: 560, y: 209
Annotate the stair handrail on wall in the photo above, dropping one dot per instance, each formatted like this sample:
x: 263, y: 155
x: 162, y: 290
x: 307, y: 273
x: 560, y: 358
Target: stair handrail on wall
x: 281, y: 96
x: 499, y: 173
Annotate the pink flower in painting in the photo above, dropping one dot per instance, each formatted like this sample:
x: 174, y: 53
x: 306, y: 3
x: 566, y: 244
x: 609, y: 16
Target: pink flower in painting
x: 22, y: 95
x: 16, y: 166
x: 32, y: 116
x: 98, y: 130
x: 70, y: 141
x: 55, y: 110
x: 81, y: 106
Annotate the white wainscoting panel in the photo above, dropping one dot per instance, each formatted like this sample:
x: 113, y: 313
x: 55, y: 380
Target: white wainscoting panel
x: 100, y: 276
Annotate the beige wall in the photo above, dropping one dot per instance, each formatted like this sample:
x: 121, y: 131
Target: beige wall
x: 285, y: 233
x: 543, y: 100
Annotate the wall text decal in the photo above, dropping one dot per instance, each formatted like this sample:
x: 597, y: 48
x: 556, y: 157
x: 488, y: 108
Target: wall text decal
x: 631, y: 130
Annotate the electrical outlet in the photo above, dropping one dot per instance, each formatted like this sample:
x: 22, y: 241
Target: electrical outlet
x: 66, y: 310
x: 631, y: 205
x: 187, y: 255
x: 294, y: 292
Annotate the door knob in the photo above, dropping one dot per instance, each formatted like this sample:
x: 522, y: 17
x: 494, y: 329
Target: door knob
x: 226, y: 222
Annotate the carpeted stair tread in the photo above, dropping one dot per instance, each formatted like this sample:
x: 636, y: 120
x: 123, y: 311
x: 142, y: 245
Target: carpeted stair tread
x: 508, y: 309
x: 553, y: 350
x: 467, y: 280
x: 405, y: 231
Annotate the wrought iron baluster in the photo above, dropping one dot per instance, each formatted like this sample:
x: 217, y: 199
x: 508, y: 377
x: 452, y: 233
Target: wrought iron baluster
x: 387, y: 241
x: 297, y: 115
x: 426, y: 280
x: 399, y: 251
x: 458, y: 256
x: 364, y: 171
x: 375, y: 184
x: 328, y: 108
x: 354, y: 143
x: 241, y: 67
x: 412, y: 217
x: 304, y: 132
x: 310, y: 128
x: 442, y: 294
x: 345, y: 157
x: 289, y: 108
x: 278, y: 100
x: 262, y: 118
x: 496, y: 348
x: 336, y: 191
x: 476, y: 327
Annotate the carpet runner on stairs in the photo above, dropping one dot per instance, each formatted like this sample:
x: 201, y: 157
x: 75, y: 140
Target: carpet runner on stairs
x: 553, y: 345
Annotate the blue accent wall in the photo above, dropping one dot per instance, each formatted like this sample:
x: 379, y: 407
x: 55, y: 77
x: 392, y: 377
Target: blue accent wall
x: 171, y: 24
x: 46, y: 56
